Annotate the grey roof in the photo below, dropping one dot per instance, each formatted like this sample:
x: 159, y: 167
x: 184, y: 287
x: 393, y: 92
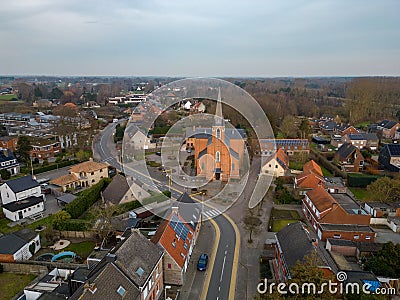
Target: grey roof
x: 188, y: 209
x: 66, y: 198
x: 12, y: 242
x: 22, y: 184
x: 107, y: 282
x: 389, y: 124
x: 116, y: 189
x: 334, y: 182
x: 348, y: 204
x: 202, y: 152
x: 346, y: 150
x: 234, y: 153
x: 22, y: 204
x: 137, y: 252
x: 295, y: 243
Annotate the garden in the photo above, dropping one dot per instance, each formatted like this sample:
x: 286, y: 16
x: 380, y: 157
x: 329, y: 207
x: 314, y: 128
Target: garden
x: 280, y: 218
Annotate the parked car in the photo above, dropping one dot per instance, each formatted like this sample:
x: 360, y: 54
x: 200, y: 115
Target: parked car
x: 202, y: 263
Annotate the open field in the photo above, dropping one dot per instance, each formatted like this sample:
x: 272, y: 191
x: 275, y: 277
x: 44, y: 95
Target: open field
x: 7, y: 97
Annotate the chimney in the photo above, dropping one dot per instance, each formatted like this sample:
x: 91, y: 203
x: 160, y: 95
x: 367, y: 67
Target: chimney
x: 334, y: 205
x: 91, y: 159
x: 175, y: 209
x: 111, y: 257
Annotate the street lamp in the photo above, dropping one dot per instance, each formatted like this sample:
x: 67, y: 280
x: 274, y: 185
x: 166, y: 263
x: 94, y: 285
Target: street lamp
x: 167, y: 287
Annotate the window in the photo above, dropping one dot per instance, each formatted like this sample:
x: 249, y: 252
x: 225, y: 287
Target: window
x: 367, y: 237
x: 93, y: 180
x: 233, y: 167
x: 217, y: 156
x: 202, y: 165
x: 121, y: 290
x: 218, y: 133
x: 101, y: 170
x: 139, y: 271
x: 270, y: 165
x: 336, y: 236
x: 356, y: 237
x: 169, y: 266
x: 276, y: 166
x: 92, y: 173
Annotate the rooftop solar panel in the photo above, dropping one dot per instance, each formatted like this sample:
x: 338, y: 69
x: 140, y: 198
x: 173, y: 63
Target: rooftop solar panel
x: 179, y: 227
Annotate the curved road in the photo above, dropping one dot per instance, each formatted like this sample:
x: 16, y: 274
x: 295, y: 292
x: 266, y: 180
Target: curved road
x: 221, y: 285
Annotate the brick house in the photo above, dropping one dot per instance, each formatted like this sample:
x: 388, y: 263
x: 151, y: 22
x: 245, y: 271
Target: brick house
x: 382, y: 209
x: 289, y: 146
x: 310, y: 178
x: 133, y: 270
x: 82, y: 175
x: 45, y: 149
x: 277, y: 165
x: 177, y: 235
x: 388, y: 128
x: 350, y: 158
x: 336, y: 216
x: 362, y: 140
x: 389, y: 157
x: 9, y: 142
x: 293, y: 243
x: 348, y: 130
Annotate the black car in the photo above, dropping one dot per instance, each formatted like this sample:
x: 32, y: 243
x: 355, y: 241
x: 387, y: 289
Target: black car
x: 202, y: 263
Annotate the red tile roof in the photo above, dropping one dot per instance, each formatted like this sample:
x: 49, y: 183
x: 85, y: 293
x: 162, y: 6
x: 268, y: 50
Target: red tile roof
x: 321, y: 199
x: 313, y: 167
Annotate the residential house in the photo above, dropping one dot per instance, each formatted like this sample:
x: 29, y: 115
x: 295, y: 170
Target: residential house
x: 19, y: 245
x: 9, y: 142
x: 177, y: 235
x: 140, y: 141
x: 352, y: 248
x: 199, y: 107
x: 8, y: 161
x: 388, y: 128
x: 350, y: 158
x: 382, y: 209
x: 290, y: 146
x: 44, y: 149
x: 82, y: 175
x: 293, y: 243
x: 362, y: 140
x: 133, y: 270
x: 349, y: 130
x: 187, y: 105
x: 389, y: 157
x: 336, y: 216
x: 397, y: 134
x: 336, y: 140
x: 335, y: 185
x: 277, y: 165
x: 310, y: 178
x: 22, y: 198
x: 122, y: 190
x: 42, y: 103
x: 329, y: 126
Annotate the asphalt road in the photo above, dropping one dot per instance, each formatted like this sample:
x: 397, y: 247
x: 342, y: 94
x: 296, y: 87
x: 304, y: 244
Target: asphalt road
x: 220, y: 282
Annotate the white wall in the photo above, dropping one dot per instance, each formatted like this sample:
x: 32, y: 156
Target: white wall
x: 36, y: 192
x: 13, y: 216
x: 24, y: 253
x: 32, y: 295
x: 7, y: 195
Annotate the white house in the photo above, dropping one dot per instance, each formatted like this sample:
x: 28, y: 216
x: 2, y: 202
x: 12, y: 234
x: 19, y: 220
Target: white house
x: 19, y: 245
x: 141, y: 141
x: 277, y: 164
x: 21, y: 198
x: 187, y: 105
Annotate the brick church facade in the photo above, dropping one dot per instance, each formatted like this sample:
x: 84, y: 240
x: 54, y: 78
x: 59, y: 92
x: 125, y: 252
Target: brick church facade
x: 218, y: 151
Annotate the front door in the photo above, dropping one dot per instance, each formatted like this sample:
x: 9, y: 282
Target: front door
x: 20, y: 216
x: 217, y: 176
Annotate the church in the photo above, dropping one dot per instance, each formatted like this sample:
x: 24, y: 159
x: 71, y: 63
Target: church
x: 218, y: 151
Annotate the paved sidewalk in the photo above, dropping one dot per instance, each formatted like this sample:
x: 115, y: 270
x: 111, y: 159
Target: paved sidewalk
x: 194, y: 280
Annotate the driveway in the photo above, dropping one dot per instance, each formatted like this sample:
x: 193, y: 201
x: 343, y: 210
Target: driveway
x: 386, y: 235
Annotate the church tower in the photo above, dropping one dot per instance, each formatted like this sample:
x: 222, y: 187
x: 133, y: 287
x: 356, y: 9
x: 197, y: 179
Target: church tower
x: 218, y: 128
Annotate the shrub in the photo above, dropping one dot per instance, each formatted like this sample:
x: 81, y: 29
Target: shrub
x: 86, y: 199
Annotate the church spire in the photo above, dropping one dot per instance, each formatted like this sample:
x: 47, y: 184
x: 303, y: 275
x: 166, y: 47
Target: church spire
x: 219, y: 119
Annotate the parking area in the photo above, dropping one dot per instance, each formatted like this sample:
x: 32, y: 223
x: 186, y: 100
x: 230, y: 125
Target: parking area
x: 384, y: 235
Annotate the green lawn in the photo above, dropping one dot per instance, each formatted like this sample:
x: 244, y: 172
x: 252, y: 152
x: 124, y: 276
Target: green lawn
x: 296, y: 165
x: 277, y: 225
x: 326, y: 173
x: 359, y: 193
x: 7, y: 97
x: 281, y: 218
x: 11, y: 284
x: 82, y: 249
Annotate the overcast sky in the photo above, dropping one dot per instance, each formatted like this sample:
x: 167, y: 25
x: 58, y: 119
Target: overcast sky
x: 200, y: 37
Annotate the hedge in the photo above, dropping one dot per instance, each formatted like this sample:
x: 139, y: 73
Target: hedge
x: 86, y: 199
x: 360, y: 180
x: 61, y: 164
x: 73, y: 225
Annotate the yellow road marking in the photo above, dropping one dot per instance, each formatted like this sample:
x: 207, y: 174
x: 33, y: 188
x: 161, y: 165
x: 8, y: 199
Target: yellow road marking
x: 235, y: 262
x: 212, y: 260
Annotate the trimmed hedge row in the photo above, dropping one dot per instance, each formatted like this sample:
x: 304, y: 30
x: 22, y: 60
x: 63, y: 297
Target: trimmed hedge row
x: 360, y: 180
x: 73, y: 225
x: 86, y: 199
x: 61, y: 164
